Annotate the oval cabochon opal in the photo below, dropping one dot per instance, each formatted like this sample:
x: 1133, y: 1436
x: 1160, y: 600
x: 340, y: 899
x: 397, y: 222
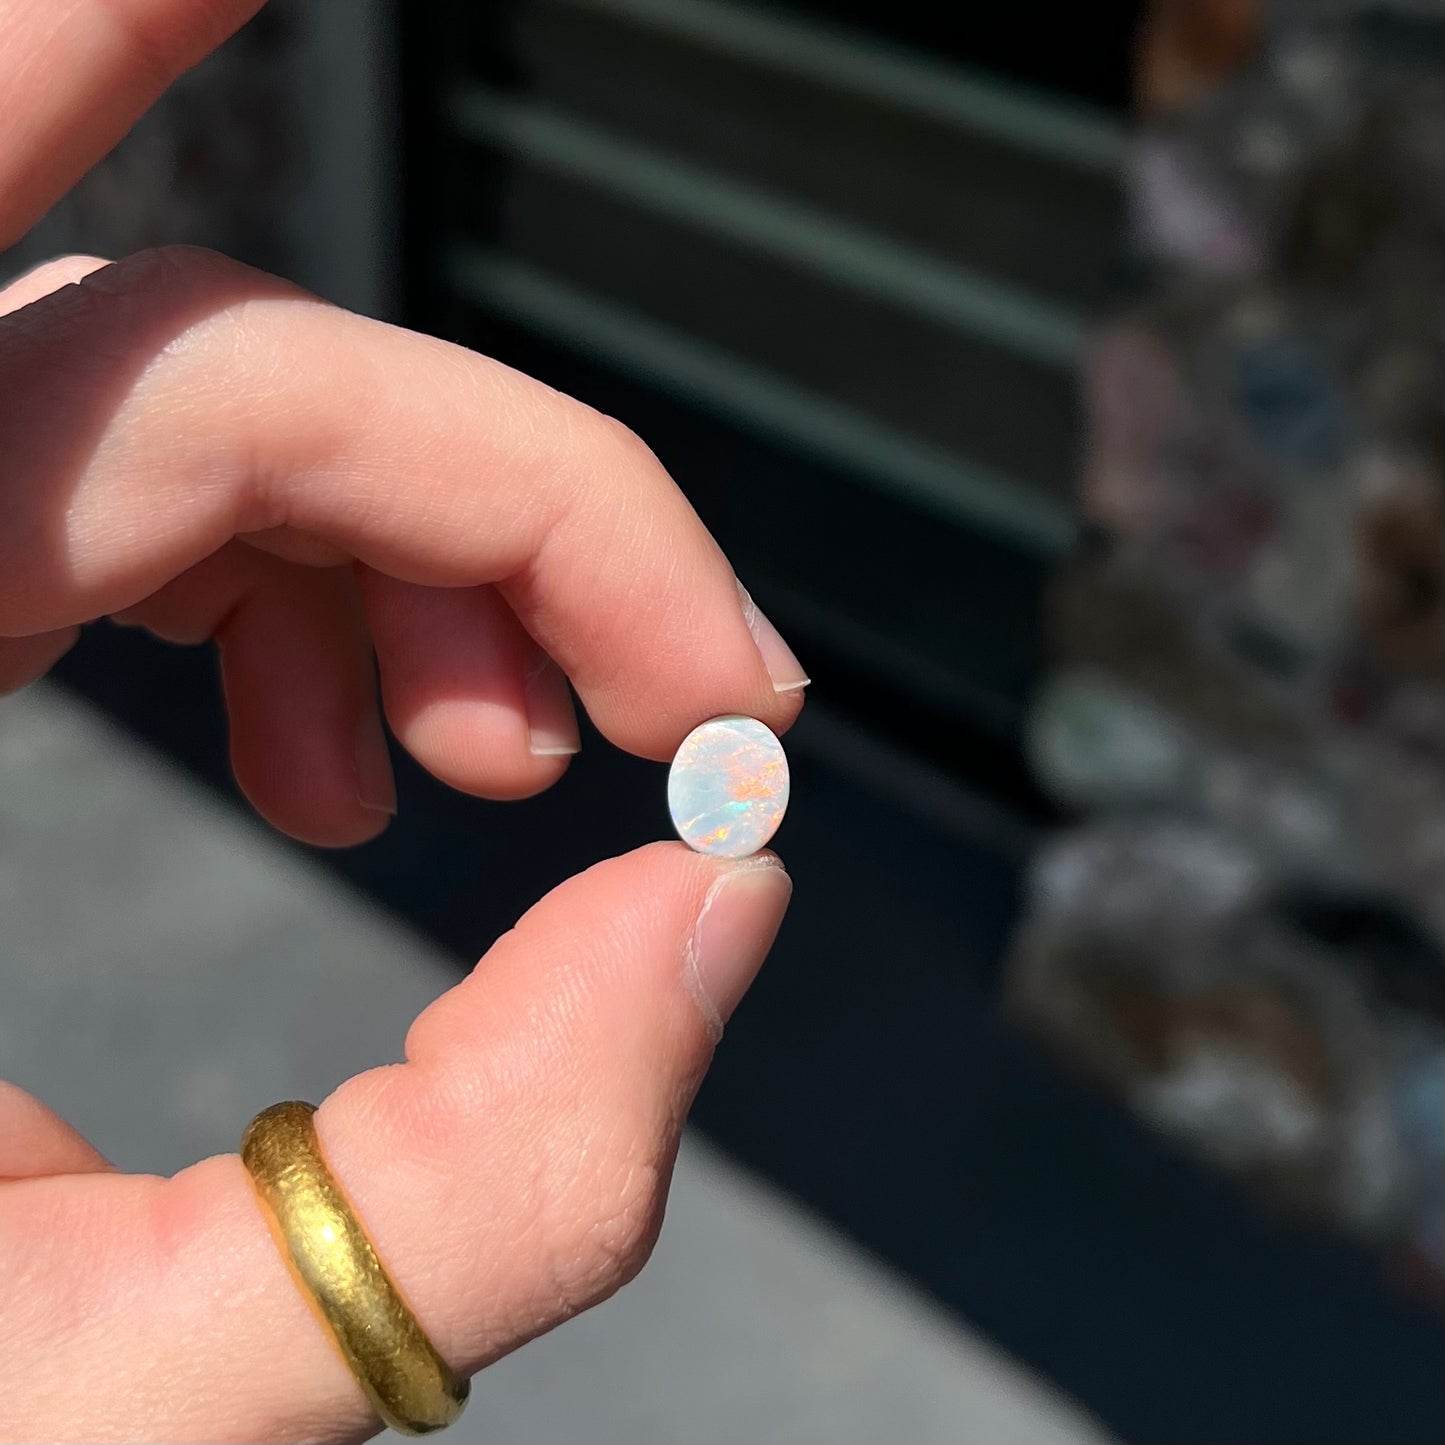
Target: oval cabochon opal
x: 728, y: 788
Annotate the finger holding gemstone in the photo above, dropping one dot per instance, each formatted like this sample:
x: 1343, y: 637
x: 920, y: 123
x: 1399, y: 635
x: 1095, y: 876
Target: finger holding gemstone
x: 728, y: 788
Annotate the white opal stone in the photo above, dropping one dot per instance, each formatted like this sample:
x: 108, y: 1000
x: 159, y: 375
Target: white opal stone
x: 728, y: 788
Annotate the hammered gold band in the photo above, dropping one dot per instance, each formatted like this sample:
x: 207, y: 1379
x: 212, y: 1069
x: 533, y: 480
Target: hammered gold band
x: 408, y: 1383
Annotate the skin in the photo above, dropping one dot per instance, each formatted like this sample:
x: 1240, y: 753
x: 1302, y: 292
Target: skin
x: 201, y: 450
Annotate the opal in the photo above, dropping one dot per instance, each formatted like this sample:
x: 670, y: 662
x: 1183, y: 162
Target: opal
x: 728, y: 788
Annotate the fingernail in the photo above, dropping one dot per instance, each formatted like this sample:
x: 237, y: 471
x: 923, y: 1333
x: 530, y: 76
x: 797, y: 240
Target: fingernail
x: 551, y: 718
x: 375, y: 785
x: 784, y: 669
x: 734, y: 931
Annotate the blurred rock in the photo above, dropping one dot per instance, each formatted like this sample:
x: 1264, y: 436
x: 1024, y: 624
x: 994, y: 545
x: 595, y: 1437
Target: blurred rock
x: 1177, y: 967
x: 1247, y: 940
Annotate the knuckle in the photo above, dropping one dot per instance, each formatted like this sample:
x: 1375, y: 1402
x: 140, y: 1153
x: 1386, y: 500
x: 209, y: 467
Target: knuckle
x: 600, y: 1223
x: 623, y: 447
x: 68, y: 365
x: 594, y: 460
x: 162, y: 41
x: 165, y: 266
x: 615, y: 487
x: 589, y: 1184
x: 624, y: 1226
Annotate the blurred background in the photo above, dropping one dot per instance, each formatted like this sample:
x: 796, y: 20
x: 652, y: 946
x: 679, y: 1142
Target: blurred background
x: 1070, y: 390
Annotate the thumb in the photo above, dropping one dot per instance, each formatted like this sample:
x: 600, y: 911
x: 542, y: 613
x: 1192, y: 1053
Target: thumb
x: 511, y: 1173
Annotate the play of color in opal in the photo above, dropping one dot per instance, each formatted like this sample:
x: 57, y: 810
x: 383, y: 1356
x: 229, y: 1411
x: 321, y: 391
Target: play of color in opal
x: 728, y: 788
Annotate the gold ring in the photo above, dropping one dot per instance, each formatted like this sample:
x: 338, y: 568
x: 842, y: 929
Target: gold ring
x: 408, y: 1383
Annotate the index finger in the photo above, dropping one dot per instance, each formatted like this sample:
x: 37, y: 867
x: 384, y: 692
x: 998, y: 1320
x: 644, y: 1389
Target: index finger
x: 176, y: 400
x: 75, y: 75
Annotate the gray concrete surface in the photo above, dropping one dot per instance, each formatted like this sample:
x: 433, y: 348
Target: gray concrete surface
x: 148, y: 932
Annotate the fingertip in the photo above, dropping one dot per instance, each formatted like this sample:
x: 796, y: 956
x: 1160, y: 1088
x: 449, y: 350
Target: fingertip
x: 476, y: 748
x: 467, y: 691
x: 295, y: 772
x: 24, y: 660
x: 375, y: 781
x: 316, y: 816
x: 785, y: 672
x: 735, y: 928
x: 307, y: 746
x: 787, y: 707
x: 552, y: 730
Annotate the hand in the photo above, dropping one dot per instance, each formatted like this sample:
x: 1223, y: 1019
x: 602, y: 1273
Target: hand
x: 204, y: 451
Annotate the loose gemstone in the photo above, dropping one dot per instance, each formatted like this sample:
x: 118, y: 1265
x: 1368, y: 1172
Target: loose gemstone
x: 728, y: 788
